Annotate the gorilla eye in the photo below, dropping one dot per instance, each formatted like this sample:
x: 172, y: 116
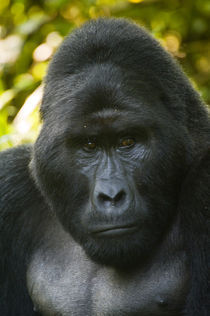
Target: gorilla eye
x: 90, y: 146
x: 127, y: 142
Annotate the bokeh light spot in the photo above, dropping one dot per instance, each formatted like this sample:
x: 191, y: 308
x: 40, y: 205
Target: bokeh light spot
x: 42, y: 52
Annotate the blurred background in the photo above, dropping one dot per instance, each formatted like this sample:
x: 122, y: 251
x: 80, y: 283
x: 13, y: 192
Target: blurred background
x: 30, y: 32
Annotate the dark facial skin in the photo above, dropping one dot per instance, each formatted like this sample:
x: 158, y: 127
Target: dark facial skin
x: 112, y: 179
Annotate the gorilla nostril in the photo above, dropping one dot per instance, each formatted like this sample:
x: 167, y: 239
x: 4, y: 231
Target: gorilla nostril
x: 104, y: 198
x: 120, y: 197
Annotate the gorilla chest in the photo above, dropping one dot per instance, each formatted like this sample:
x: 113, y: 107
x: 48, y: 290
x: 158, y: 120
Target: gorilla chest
x: 65, y: 282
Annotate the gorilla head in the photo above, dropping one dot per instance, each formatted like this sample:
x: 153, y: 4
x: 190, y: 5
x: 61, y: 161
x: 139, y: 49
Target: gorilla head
x: 118, y: 134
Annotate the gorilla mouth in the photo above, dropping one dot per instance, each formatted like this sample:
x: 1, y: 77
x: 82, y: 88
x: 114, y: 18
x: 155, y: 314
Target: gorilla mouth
x: 114, y: 231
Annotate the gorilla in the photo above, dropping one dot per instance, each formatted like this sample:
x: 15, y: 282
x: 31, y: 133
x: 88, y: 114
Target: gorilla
x: 108, y: 213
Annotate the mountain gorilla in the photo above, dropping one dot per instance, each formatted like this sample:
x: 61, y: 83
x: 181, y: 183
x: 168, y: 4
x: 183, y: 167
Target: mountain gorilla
x: 108, y: 213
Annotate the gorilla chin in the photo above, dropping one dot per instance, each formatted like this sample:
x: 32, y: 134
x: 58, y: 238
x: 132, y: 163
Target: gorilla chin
x: 121, y: 248
x: 120, y: 254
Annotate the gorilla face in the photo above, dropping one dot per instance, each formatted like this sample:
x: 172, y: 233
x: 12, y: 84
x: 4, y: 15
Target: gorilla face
x: 111, y: 170
x: 109, y: 161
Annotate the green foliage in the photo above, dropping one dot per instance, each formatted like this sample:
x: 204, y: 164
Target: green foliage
x: 30, y: 32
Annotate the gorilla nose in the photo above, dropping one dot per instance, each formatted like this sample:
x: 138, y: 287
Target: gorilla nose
x: 110, y: 195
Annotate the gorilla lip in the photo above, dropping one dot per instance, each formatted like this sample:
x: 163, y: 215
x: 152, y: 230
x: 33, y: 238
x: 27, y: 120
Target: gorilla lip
x: 113, y: 231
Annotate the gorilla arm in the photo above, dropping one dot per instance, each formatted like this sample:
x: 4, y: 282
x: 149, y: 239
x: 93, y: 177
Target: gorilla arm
x: 195, y: 223
x: 20, y: 209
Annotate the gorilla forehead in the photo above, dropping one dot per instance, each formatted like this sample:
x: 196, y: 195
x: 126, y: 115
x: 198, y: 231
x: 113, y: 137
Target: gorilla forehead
x: 103, y: 85
x: 85, y: 117
x: 108, y: 120
x: 101, y: 93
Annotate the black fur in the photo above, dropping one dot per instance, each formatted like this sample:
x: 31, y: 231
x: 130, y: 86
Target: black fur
x: 110, y: 65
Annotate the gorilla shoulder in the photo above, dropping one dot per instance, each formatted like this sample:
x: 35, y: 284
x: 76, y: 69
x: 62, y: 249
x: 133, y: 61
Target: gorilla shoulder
x: 17, y: 189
